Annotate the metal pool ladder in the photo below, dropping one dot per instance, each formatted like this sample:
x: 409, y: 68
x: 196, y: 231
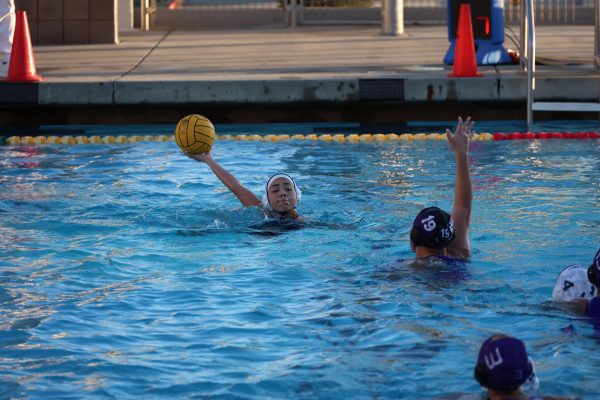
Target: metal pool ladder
x: 528, y: 64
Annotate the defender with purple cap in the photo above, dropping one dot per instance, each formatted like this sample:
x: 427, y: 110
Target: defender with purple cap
x: 435, y: 233
x: 507, y: 372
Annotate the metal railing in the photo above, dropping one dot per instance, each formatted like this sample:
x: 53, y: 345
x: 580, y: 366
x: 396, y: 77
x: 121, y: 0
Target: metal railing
x: 528, y: 62
x: 228, y: 14
x: 551, y: 11
x: 214, y: 14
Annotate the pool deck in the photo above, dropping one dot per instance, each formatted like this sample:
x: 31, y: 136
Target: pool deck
x: 279, y: 75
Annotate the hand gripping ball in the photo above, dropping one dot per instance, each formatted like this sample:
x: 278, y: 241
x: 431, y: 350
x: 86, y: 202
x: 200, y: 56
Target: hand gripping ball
x: 195, y: 134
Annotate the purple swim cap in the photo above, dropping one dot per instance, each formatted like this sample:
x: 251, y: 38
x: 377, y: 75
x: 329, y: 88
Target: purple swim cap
x: 503, y: 363
x: 433, y: 228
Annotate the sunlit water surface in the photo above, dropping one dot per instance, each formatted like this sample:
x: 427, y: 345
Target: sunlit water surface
x: 130, y: 271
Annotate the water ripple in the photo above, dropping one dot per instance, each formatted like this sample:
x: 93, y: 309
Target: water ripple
x: 130, y: 271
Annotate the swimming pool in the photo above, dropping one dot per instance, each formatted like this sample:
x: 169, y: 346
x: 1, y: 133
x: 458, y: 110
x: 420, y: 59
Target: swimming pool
x: 129, y: 271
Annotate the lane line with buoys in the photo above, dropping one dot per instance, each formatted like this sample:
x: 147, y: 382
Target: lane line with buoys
x: 324, y: 137
x: 545, y: 135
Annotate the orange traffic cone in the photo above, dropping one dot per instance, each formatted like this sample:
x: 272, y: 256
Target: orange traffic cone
x: 22, y: 64
x: 174, y: 4
x: 465, y: 63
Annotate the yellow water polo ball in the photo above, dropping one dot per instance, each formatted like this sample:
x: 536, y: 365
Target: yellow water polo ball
x: 195, y: 134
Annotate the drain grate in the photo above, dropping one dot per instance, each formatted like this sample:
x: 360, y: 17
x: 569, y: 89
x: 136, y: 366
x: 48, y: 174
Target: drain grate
x: 381, y: 89
x: 19, y: 93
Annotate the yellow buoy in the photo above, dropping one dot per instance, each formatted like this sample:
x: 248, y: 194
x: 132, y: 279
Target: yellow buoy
x: 12, y: 140
x: 81, y: 139
x: 353, y: 137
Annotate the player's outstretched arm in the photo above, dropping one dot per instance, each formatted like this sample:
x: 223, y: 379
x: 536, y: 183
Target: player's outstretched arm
x: 246, y: 197
x: 463, y: 195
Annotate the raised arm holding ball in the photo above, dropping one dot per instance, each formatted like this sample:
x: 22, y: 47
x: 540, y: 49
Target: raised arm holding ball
x: 195, y: 135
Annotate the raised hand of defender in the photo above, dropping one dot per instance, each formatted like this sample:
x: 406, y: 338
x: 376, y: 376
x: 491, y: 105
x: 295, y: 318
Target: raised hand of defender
x: 459, y: 140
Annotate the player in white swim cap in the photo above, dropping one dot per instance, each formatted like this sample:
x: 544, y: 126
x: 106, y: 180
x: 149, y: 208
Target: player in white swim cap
x: 580, y: 285
x: 280, y: 198
x: 572, y: 284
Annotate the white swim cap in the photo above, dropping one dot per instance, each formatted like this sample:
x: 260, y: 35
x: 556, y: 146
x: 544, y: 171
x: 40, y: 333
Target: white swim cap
x: 572, y: 283
x: 265, y: 199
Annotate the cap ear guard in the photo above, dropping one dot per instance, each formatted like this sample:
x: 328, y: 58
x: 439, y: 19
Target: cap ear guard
x: 592, y: 274
x: 594, y: 270
x: 532, y: 383
x: 480, y: 374
x: 415, y: 237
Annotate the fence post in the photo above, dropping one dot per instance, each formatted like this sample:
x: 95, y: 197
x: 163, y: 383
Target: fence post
x: 292, y: 12
x: 392, y: 19
x: 144, y: 17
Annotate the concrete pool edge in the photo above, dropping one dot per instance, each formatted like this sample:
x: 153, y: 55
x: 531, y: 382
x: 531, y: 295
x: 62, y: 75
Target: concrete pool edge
x: 330, y: 100
x: 367, y: 111
x: 310, y: 74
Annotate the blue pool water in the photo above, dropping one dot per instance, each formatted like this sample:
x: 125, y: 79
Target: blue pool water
x: 129, y: 271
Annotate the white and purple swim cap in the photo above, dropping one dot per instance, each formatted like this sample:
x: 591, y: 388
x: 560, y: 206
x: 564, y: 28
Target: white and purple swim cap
x: 572, y: 283
x: 265, y: 198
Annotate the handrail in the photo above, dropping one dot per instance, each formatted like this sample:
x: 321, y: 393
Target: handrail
x: 530, y: 61
x: 597, y: 42
x: 144, y: 15
x: 597, y: 36
x: 523, y: 39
